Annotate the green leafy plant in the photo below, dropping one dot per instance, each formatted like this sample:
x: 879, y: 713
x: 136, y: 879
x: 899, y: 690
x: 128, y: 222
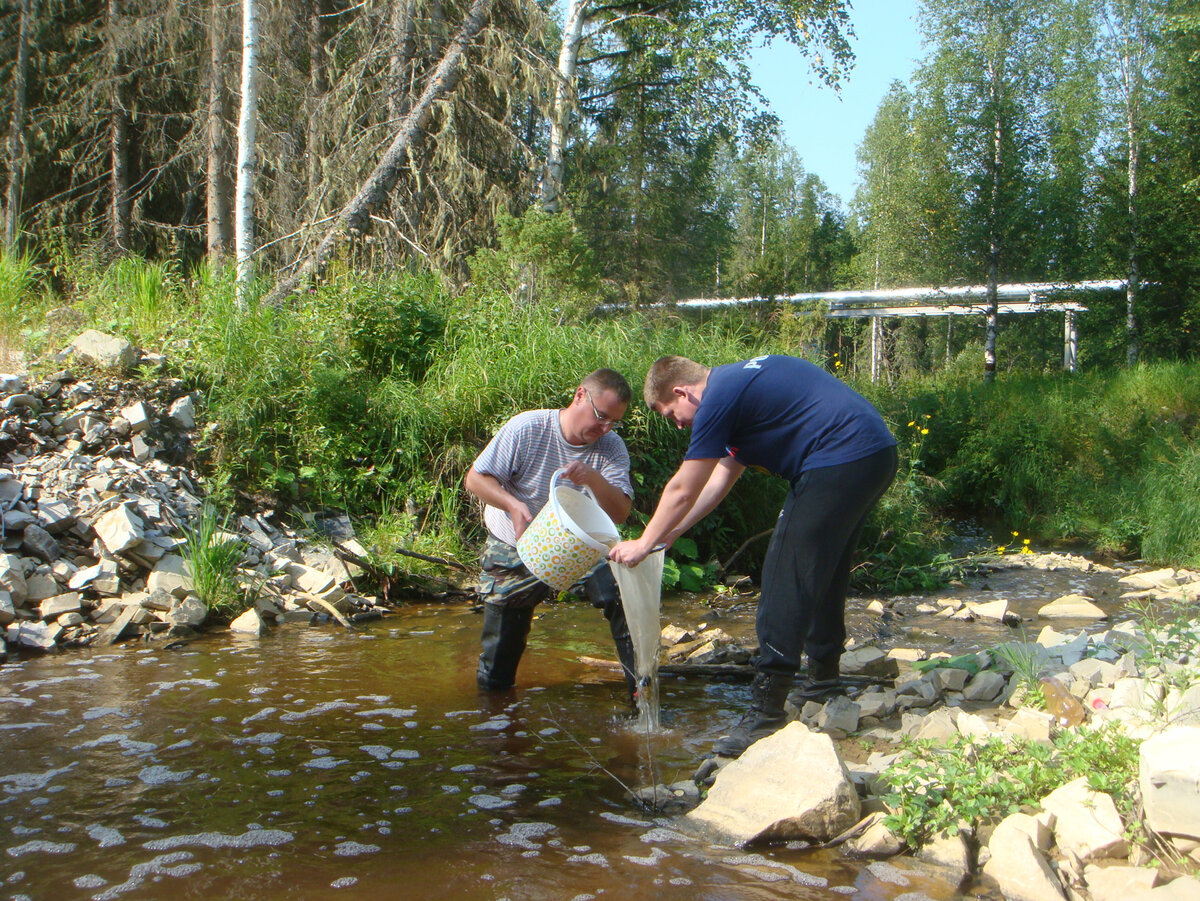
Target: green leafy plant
x: 683, y: 572
x: 212, y: 554
x: 972, y: 783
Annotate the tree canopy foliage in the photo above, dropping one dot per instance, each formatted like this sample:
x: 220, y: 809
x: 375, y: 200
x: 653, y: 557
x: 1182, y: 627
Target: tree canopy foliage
x: 1037, y: 141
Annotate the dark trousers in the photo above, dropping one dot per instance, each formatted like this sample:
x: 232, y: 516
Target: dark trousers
x: 806, y: 573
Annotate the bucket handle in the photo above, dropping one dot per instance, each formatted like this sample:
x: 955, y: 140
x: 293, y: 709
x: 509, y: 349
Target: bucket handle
x: 554, y: 484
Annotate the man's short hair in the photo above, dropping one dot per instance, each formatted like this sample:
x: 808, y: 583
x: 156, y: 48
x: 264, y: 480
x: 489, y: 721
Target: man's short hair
x: 666, y: 373
x: 609, y: 380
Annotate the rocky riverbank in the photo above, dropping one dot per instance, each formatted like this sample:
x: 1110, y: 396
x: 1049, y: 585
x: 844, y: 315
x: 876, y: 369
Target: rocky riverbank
x: 915, y: 742
x: 98, y: 491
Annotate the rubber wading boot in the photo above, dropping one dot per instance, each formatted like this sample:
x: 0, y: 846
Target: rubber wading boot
x: 822, y: 681
x: 766, y: 715
x: 615, y: 615
x: 504, y: 632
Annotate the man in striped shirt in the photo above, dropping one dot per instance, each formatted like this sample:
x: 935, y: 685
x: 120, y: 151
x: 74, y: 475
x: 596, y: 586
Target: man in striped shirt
x: 512, y: 479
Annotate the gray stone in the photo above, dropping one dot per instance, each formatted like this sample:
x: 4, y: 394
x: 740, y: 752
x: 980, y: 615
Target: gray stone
x: 1086, y: 822
x: 993, y: 610
x: 120, y: 528
x: 985, y: 685
x: 39, y: 586
x: 249, y: 623
x: 191, y: 611
x: 1159, y: 578
x: 12, y: 578
x: 876, y: 703
x: 1019, y: 868
x: 1169, y: 776
x: 11, y: 383
x: 1119, y: 883
x: 55, y: 516
x: 124, y: 626
x: 138, y: 416
x: 54, y: 607
x: 8, y: 612
x: 838, y: 715
x: 183, y: 413
x: 30, y: 402
x: 950, y: 678
x: 171, y: 574
x: 950, y: 853
x: 33, y: 634
x: 921, y: 692
x: 1072, y: 606
x: 789, y: 785
x: 16, y: 520
x: 869, y: 661
x: 37, y: 542
x: 104, y: 351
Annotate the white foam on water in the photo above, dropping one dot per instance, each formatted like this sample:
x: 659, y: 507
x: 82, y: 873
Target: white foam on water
x: 379, y: 752
x: 39, y: 846
x: 159, y: 866
x: 297, y: 715
x: 253, y: 838
x: 521, y: 835
x: 163, y: 775
x: 344, y: 882
x: 160, y: 687
x: 397, y: 712
x: 324, y: 763
x: 89, y: 880
x: 598, y: 859
x: 262, y: 714
x: 656, y: 854
x: 17, y: 783
x: 490, y: 802
x: 97, y: 712
x: 105, y: 836
x: 262, y: 738
x: 127, y: 744
x: 355, y: 849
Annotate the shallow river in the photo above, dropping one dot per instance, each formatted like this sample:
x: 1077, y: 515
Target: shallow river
x: 322, y: 763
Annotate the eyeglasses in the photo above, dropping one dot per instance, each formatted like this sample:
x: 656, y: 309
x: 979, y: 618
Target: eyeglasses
x: 613, y: 424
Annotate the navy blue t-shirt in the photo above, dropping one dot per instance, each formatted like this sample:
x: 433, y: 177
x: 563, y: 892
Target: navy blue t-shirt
x: 785, y: 415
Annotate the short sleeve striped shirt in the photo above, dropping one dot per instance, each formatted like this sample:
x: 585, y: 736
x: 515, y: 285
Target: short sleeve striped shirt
x: 527, y: 451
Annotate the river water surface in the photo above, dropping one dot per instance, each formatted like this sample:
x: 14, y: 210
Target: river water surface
x: 323, y: 763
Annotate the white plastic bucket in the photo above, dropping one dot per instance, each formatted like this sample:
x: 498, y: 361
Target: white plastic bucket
x: 569, y: 536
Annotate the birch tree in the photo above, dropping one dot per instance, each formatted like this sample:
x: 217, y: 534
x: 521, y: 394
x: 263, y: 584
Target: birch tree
x: 1130, y: 26
x: 247, y: 130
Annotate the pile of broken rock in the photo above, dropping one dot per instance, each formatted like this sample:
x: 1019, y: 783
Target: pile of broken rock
x: 96, y: 489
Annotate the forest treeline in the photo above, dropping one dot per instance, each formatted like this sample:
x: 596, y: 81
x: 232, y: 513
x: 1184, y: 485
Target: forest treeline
x: 1038, y: 140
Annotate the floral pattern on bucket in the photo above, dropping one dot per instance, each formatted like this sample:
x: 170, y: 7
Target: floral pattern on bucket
x: 562, y: 545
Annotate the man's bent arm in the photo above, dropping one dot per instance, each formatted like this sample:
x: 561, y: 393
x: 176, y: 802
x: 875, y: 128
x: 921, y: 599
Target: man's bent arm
x: 489, y: 490
x: 724, y: 474
x: 678, y: 498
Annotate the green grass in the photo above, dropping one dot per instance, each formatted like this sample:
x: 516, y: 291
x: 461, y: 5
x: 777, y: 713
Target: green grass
x: 375, y: 395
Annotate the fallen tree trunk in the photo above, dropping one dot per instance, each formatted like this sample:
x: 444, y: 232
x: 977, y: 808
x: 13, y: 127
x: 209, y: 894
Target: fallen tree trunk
x: 354, y: 217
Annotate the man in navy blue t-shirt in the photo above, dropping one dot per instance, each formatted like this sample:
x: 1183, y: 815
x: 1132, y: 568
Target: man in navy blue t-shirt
x: 795, y: 420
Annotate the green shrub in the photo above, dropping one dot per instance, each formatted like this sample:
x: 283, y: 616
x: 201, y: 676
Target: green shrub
x: 396, y: 327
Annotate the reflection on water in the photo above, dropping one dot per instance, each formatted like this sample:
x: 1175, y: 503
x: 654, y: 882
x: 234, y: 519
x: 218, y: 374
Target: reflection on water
x: 322, y: 763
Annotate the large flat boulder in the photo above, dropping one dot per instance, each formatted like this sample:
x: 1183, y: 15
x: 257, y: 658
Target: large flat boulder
x: 1019, y: 868
x: 1169, y: 774
x: 1086, y: 822
x: 790, y: 785
x: 105, y: 351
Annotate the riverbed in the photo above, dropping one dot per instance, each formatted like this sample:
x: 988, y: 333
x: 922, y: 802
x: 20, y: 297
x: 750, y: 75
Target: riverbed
x: 318, y: 762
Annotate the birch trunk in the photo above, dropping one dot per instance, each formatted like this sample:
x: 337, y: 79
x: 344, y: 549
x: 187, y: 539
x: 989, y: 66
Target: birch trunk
x: 355, y: 216
x: 993, y: 277
x: 119, y: 205
x: 247, y: 133
x: 220, y: 113
x: 16, y: 134
x: 1131, y: 84
x: 564, y: 94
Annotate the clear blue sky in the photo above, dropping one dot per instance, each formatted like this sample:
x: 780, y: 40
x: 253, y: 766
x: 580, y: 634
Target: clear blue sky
x: 826, y: 127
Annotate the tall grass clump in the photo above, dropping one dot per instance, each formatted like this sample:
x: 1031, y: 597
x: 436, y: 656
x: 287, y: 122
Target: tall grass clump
x: 1172, y: 532
x: 212, y: 553
x: 21, y: 307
